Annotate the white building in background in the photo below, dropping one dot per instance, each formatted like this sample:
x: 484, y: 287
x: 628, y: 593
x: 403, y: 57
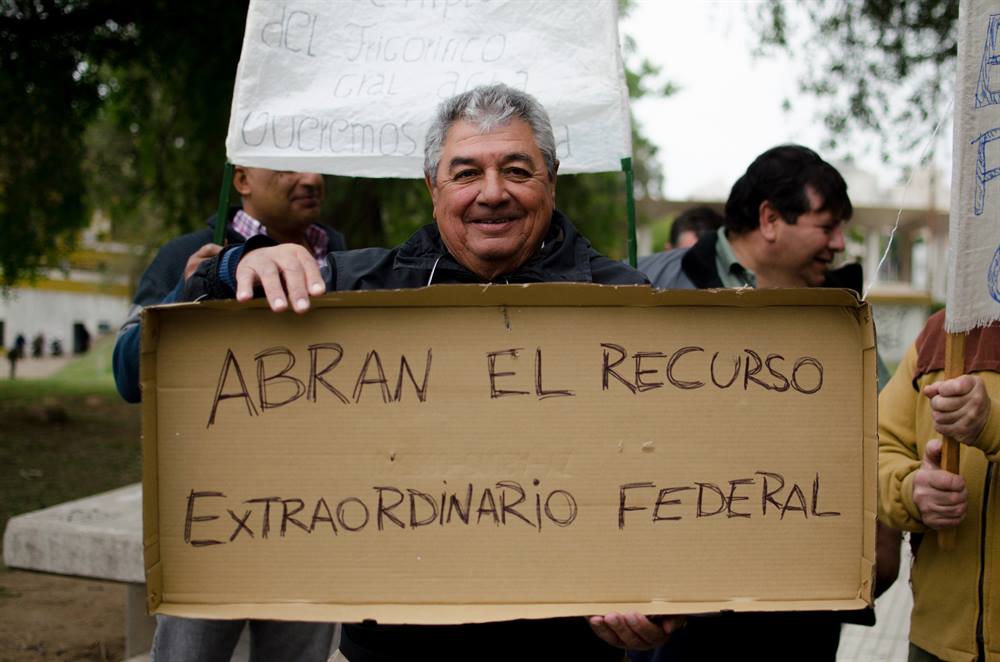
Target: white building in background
x: 912, y: 275
x: 90, y: 293
x: 918, y: 261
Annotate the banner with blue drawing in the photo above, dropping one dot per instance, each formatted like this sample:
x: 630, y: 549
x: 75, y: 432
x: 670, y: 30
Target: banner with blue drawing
x: 974, y: 232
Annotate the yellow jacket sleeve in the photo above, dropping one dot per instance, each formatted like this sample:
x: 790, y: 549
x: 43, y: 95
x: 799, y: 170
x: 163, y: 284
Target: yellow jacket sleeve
x: 899, y: 454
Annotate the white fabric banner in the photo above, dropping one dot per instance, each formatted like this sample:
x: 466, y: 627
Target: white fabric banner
x: 974, y: 230
x: 350, y: 87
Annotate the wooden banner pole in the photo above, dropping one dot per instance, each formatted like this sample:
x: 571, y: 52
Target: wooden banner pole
x: 954, y: 366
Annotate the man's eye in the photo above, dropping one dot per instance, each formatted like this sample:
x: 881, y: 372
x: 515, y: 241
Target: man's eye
x: 465, y: 174
x: 517, y: 173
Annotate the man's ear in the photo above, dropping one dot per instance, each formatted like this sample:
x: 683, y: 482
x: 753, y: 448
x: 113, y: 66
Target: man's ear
x: 241, y: 181
x: 432, y: 189
x: 768, y: 218
x: 555, y: 178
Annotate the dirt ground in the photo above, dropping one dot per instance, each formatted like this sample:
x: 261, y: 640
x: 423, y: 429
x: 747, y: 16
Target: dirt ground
x: 62, y: 439
x: 46, y: 617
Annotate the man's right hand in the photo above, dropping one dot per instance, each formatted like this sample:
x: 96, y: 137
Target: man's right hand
x: 939, y: 495
x: 287, y: 272
x: 960, y: 407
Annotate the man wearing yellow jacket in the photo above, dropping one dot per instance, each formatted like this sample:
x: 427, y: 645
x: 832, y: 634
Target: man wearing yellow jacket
x: 956, y: 594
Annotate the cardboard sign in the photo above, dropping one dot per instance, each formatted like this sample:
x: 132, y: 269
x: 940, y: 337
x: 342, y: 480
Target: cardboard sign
x: 350, y: 88
x: 472, y: 453
x: 974, y: 223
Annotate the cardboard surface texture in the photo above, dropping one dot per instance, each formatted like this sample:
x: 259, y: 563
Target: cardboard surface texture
x: 473, y: 453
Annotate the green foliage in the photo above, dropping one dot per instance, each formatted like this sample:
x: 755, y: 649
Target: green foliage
x: 881, y: 66
x: 122, y: 105
x: 376, y: 212
x: 157, y: 147
x: 48, y: 99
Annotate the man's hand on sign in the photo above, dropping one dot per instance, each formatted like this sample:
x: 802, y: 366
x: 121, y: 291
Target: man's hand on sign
x: 960, y: 407
x: 287, y: 273
x: 199, y: 256
x: 939, y: 495
x: 634, y: 631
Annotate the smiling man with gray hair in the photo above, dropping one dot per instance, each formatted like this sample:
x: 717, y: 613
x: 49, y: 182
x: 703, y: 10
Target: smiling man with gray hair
x: 490, y: 166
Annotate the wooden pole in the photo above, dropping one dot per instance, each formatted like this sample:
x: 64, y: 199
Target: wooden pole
x: 954, y: 366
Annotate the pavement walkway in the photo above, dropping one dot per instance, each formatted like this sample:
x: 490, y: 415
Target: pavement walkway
x: 888, y: 640
x: 30, y: 368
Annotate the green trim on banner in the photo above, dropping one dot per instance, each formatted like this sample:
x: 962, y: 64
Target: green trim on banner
x: 223, y: 211
x: 630, y: 211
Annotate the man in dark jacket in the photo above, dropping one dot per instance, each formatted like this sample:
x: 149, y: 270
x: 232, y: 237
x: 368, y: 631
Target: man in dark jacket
x: 490, y: 168
x: 284, y: 206
x: 783, y: 228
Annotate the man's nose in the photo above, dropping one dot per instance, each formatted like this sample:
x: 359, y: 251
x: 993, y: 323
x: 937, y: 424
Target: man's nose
x: 312, y: 180
x: 492, y: 190
x: 836, y: 243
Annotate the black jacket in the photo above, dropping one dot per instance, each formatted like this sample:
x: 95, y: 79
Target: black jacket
x: 565, y: 256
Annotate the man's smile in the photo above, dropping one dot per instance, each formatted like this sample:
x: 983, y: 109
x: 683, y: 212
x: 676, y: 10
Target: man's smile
x: 493, y: 223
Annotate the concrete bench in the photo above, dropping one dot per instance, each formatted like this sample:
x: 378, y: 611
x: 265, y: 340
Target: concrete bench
x: 98, y: 537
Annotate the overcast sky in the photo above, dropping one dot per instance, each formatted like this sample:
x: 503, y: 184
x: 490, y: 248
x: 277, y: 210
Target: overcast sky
x: 729, y: 107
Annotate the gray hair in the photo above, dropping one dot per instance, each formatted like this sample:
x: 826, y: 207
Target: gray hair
x: 489, y: 106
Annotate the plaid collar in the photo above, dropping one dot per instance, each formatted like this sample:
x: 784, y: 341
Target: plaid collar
x: 316, y: 237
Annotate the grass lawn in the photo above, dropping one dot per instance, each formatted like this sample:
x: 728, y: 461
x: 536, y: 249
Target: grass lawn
x: 66, y: 437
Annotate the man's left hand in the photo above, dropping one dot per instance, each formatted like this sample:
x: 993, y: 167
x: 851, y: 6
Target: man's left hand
x: 199, y: 256
x: 634, y: 631
x: 959, y: 407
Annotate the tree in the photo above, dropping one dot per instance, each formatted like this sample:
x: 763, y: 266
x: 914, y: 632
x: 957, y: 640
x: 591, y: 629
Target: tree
x: 125, y: 102
x: 882, y: 66
x: 49, y: 98
x: 156, y: 146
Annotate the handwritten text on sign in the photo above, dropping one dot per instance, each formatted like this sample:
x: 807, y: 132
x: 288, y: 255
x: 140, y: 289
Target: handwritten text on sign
x: 350, y: 88
x: 692, y: 367
x: 506, y: 501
